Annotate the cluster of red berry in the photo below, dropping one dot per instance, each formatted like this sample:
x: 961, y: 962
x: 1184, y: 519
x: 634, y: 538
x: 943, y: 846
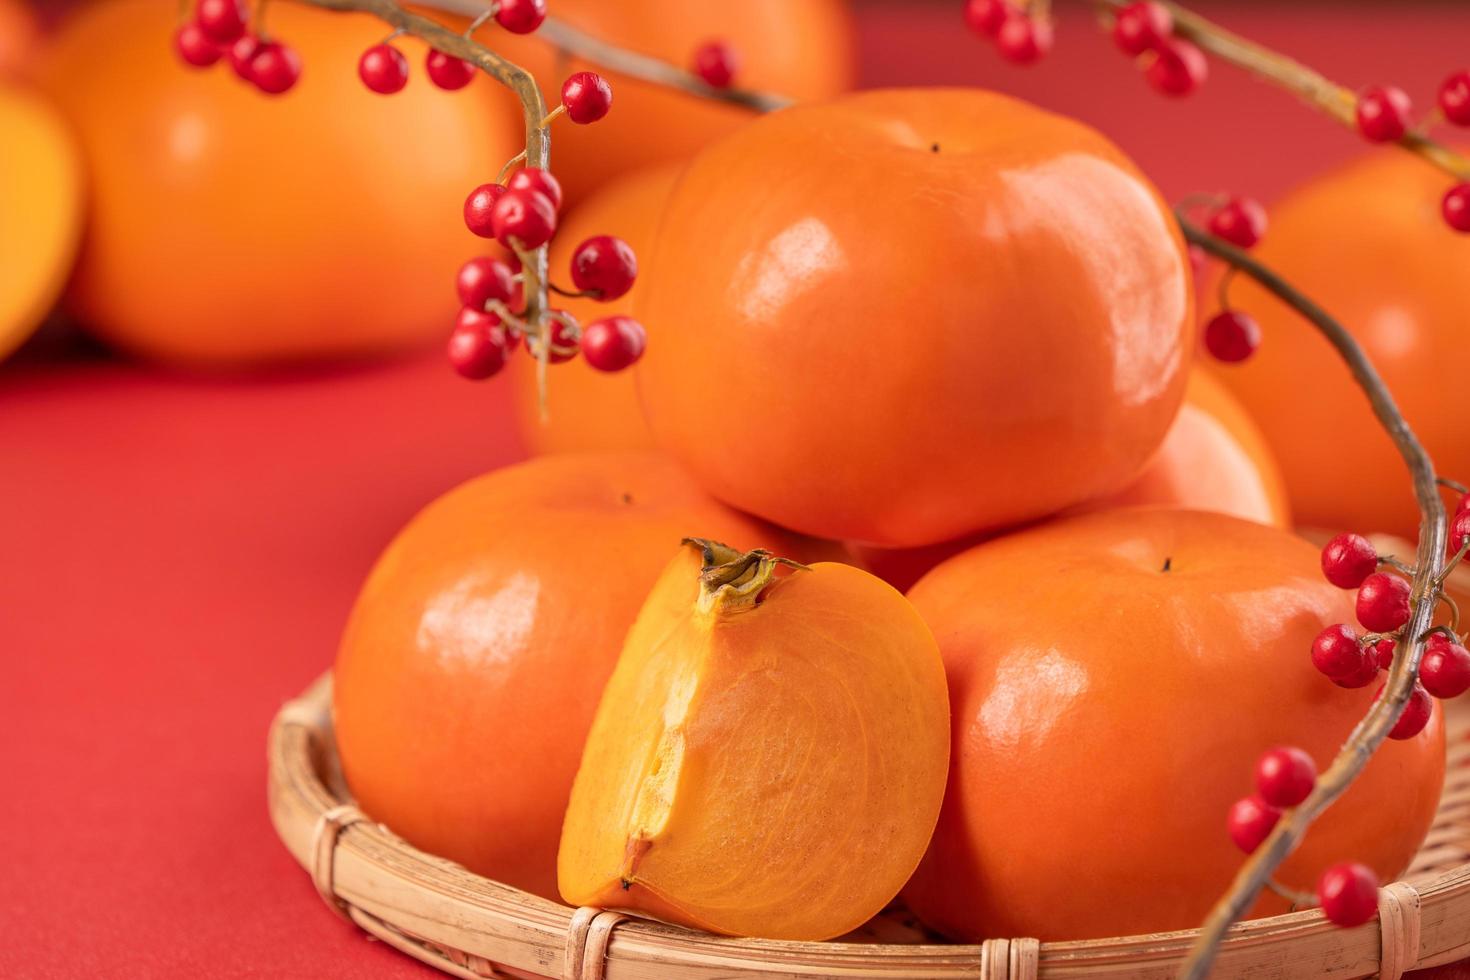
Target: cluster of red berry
x: 522, y: 215
x: 1018, y: 37
x: 1383, y: 113
x: 384, y: 69
x: 220, y: 28
x: 1171, y: 64
x: 1230, y: 335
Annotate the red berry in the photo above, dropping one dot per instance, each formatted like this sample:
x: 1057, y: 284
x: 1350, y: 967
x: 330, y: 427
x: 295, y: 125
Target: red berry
x: 985, y: 17
x: 1383, y: 113
x: 605, y: 266
x: 1232, y: 336
x: 523, y: 219
x: 614, y: 343
x: 478, y: 346
x: 587, y: 97
x: 1285, y: 776
x: 1348, y: 894
x: 275, y: 68
x: 1383, y: 652
x: 1241, y: 221
x: 1463, y: 505
x: 448, y: 72
x: 383, y: 68
x: 1348, y: 559
x: 223, y: 21
x: 538, y: 180
x: 242, y: 53
x: 1445, y: 670
x: 479, y: 207
x: 1365, y: 673
x: 482, y: 279
x: 521, y: 16
x: 716, y: 63
x: 1335, y: 651
x: 1142, y: 26
x: 1416, y: 713
x: 1454, y: 98
x: 1456, y: 207
x: 1383, y: 602
x: 1459, y: 530
x: 563, y: 343
x: 1023, y: 40
x: 1178, y: 69
x: 195, y: 47
x: 1250, y: 821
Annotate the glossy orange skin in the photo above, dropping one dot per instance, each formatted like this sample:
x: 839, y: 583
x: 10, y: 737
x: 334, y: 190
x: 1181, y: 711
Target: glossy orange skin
x: 804, y: 50
x: 477, y: 651
x: 826, y: 359
x: 590, y: 409
x: 229, y: 229
x: 1106, y: 713
x: 1214, y: 458
x: 1393, y: 273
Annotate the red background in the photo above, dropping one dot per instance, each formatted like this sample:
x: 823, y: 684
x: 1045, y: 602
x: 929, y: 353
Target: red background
x: 177, y: 554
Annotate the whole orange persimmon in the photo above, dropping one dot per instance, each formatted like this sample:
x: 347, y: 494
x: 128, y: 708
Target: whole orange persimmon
x: 1214, y: 458
x: 229, y: 228
x: 589, y: 409
x: 19, y: 37
x: 804, y: 50
x: 1113, y: 679
x: 905, y: 316
x: 40, y: 211
x: 477, y: 651
x: 769, y: 756
x: 1393, y: 273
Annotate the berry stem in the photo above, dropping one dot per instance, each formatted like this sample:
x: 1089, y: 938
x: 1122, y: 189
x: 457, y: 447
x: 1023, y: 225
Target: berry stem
x: 1373, y: 729
x: 510, y: 165
x: 1396, y: 565
x: 1311, y: 86
x: 560, y: 110
x: 1449, y: 569
x: 1454, y: 485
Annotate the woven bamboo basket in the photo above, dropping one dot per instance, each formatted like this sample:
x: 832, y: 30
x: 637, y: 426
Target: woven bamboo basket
x: 471, y: 927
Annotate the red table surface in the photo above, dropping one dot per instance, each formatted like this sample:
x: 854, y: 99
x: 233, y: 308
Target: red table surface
x: 179, y: 553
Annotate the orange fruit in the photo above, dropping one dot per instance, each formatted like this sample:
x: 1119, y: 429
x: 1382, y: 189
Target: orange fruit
x: 1393, y: 273
x: 589, y: 409
x: 1214, y: 459
x: 20, y: 37
x: 41, y: 200
x: 802, y: 50
x: 904, y: 316
x: 1113, y: 679
x: 229, y: 228
x: 744, y: 707
x: 477, y: 651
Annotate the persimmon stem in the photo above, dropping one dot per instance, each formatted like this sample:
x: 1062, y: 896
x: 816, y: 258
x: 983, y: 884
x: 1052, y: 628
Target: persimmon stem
x: 1426, y: 589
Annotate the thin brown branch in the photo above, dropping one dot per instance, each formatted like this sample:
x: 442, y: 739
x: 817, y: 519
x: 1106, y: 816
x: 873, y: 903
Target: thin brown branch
x: 1337, y: 101
x: 1375, y: 726
x: 587, y: 47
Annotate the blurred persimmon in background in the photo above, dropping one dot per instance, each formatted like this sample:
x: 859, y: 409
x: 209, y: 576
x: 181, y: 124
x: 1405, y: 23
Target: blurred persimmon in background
x: 806, y: 50
x: 1213, y: 459
x: 1367, y: 242
x: 229, y: 228
x: 19, y: 36
x: 40, y: 211
x: 590, y: 409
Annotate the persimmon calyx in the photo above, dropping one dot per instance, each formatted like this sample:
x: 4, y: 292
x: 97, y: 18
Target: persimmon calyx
x: 731, y: 580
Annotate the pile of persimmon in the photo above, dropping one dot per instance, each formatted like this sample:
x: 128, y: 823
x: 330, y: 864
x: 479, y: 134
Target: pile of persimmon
x: 985, y: 390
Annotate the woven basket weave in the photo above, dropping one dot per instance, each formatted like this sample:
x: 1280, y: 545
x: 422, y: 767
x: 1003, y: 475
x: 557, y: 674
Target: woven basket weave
x: 475, y: 928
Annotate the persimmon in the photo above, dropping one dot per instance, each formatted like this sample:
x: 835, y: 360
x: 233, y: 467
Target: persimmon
x: 805, y: 50
x: 1114, y: 679
x: 230, y: 228
x: 19, y: 37
x: 769, y: 756
x: 1390, y: 270
x: 904, y: 316
x: 475, y: 655
x: 41, y: 200
x: 1214, y: 458
x: 589, y: 409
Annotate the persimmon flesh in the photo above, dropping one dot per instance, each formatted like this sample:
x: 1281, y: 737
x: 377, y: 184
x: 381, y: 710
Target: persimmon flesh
x: 1114, y: 678
x: 769, y: 756
x: 904, y: 316
x: 475, y: 655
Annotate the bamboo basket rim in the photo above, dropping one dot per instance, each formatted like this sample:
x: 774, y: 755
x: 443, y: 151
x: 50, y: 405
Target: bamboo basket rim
x: 475, y: 928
